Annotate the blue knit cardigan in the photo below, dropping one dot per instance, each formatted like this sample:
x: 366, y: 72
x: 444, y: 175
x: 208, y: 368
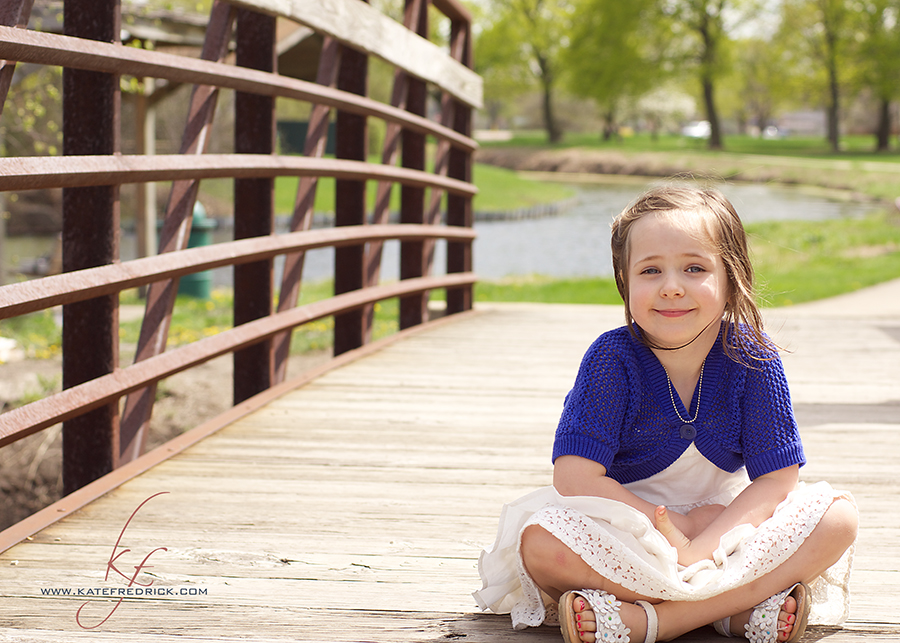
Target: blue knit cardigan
x: 620, y: 413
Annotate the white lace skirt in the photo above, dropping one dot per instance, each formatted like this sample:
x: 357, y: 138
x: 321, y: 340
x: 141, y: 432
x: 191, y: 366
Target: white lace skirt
x: 621, y: 544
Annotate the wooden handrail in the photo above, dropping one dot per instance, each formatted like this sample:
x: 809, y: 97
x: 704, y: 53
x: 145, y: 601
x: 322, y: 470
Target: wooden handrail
x: 72, y: 402
x: 367, y: 29
x: 39, y: 294
x: 50, y: 49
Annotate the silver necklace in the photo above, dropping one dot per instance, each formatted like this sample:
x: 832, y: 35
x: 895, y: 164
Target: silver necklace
x: 699, y: 393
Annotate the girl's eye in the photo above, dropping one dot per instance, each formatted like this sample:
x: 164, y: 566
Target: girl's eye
x: 696, y: 269
x: 650, y: 271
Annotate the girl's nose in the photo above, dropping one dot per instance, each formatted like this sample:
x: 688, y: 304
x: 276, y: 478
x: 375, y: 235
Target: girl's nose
x: 672, y: 287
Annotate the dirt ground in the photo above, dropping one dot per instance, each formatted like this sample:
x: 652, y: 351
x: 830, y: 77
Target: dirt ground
x: 31, y: 469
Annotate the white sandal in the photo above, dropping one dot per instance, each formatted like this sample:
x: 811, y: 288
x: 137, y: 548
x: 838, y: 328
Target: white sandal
x: 606, y: 614
x: 763, y: 625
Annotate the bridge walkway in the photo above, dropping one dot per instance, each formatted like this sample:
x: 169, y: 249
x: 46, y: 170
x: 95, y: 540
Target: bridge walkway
x: 353, y: 508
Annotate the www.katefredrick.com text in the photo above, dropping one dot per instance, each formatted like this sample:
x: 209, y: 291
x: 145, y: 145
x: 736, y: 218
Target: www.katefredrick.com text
x: 124, y: 591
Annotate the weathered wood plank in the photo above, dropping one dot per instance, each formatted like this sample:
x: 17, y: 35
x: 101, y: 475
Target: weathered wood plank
x: 355, y: 507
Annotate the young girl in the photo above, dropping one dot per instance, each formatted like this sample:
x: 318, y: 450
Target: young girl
x: 675, y: 500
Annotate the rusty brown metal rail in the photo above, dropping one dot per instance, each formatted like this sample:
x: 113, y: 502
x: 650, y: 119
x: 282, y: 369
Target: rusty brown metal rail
x: 50, y: 49
x: 93, y: 168
x: 75, y: 401
x: 36, y: 172
x: 57, y: 290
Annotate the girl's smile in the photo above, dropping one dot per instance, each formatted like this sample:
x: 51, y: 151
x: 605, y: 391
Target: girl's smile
x: 677, y: 282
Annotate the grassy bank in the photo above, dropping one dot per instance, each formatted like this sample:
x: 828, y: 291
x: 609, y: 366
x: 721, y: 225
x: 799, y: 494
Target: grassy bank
x: 853, y: 148
x: 499, y: 189
x: 795, y: 262
x: 857, y: 171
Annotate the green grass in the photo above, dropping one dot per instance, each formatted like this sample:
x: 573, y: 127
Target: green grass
x: 852, y: 147
x: 803, y: 261
x: 498, y: 189
x: 535, y: 288
x: 194, y: 319
x: 37, y: 333
x: 501, y: 190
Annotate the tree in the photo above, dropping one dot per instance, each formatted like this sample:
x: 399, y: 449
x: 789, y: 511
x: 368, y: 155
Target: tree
x: 822, y: 30
x: 613, y: 56
x: 702, y: 23
x: 879, y: 58
x: 525, y: 38
x: 759, y: 80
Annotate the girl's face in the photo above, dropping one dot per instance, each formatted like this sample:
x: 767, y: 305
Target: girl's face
x: 677, y: 285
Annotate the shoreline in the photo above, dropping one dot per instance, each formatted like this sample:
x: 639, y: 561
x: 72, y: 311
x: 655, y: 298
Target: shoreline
x: 872, y: 182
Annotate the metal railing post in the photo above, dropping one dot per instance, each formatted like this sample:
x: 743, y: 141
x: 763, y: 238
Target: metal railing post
x: 90, y: 232
x: 254, y: 203
x: 351, y: 142
x: 414, y: 309
x: 459, y: 208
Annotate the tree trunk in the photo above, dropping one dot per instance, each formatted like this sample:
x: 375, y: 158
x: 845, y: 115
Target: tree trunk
x: 883, y: 133
x: 554, y: 133
x: 834, y: 98
x: 708, y: 63
x: 610, y: 128
x: 712, y: 115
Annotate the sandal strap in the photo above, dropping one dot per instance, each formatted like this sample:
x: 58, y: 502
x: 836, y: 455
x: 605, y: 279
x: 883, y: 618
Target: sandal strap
x: 723, y: 627
x: 606, y: 612
x: 652, y: 621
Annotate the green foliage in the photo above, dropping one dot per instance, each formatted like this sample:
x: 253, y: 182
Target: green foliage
x: 613, y: 52
x: 37, y: 333
x: 522, y: 40
x: 31, y: 124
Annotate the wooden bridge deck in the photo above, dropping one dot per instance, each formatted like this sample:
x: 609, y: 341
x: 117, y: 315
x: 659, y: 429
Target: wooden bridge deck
x: 354, y: 508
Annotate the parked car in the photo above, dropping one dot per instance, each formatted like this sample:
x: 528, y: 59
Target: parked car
x: 697, y: 129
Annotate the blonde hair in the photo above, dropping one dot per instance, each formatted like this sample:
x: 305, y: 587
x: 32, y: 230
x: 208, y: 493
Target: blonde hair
x: 743, y: 332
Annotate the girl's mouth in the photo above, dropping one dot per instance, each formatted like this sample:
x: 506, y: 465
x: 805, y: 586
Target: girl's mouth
x: 673, y: 313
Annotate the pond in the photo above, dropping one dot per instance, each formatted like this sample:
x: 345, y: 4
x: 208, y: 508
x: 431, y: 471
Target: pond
x: 574, y: 243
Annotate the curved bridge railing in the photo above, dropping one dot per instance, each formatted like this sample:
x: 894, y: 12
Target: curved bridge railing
x: 101, y: 431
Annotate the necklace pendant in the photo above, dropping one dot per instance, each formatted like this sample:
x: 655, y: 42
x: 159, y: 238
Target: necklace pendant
x: 688, y: 432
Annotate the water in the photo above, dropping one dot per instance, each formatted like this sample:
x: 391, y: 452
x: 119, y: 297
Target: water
x: 573, y: 244
x: 576, y: 243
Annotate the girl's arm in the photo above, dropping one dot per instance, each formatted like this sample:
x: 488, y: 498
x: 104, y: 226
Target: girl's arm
x: 754, y: 505
x: 577, y: 476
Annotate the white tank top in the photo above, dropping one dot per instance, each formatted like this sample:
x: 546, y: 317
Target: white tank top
x: 689, y: 482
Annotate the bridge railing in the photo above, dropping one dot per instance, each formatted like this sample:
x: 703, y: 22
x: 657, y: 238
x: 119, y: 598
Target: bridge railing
x: 105, y: 409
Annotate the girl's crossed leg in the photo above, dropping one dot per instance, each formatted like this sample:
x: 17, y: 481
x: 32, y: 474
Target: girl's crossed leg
x: 556, y: 569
